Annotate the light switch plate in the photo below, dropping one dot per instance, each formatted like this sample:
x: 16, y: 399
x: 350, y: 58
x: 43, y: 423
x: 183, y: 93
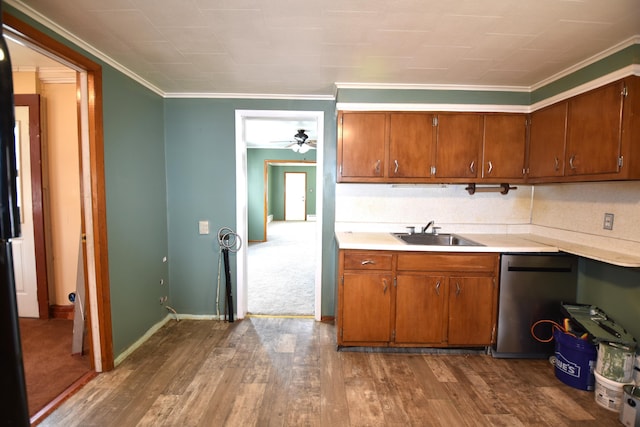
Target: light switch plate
x: 203, y: 227
x: 608, y: 221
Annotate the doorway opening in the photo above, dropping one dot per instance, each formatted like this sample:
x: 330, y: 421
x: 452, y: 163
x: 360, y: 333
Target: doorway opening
x: 242, y: 208
x: 87, y: 78
x: 282, y: 265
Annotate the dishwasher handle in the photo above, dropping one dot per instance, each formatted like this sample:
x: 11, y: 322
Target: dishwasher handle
x: 542, y: 269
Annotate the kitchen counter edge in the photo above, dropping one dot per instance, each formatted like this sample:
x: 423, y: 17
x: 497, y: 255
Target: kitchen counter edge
x: 502, y: 243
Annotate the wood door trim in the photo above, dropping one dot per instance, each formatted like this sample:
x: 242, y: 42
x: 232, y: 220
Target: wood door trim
x: 98, y: 191
x: 32, y: 101
x: 265, y: 188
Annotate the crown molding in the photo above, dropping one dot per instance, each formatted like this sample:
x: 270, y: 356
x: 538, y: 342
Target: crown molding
x: 433, y: 87
x: 477, y: 108
x: 56, y: 75
x: 215, y: 95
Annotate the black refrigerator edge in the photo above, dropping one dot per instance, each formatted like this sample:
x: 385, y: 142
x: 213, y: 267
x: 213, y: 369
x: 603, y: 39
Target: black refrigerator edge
x: 13, y: 409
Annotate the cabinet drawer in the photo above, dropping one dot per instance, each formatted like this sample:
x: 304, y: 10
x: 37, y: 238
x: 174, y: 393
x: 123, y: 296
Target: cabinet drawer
x: 367, y: 261
x: 472, y: 262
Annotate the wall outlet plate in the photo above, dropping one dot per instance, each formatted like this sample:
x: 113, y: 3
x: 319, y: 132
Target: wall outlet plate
x: 203, y: 227
x: 608, y: 221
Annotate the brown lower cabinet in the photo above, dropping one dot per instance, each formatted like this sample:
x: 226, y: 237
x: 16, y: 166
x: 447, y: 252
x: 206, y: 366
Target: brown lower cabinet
x: 417, y: 299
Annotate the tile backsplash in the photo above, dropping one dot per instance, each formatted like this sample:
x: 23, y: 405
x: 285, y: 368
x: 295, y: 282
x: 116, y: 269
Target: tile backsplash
x: 580, y: 208
x: 572, y: 209
x: 388, y: 207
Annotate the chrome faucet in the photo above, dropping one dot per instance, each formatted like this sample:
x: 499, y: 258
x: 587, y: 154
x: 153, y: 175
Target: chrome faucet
x: 426, y: 227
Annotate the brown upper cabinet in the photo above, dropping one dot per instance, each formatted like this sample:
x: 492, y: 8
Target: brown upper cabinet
x: 423, y: 147
x: 458, y: 147
x: 411, y: 145
x: 362, y: 147
x: 594, y: 132
x: 384, y: 147
x: 547, y: 141
x: 589, y: 137
x: 504, y: 147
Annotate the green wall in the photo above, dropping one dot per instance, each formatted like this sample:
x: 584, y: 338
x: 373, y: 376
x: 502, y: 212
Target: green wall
x: 616, y: 290
x: 255, y: 183
x: 276, y: 192
x: 200, y: 153
x: 432, y: 96
x: 136, y: 206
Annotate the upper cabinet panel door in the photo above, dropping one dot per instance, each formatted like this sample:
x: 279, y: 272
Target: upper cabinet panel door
x: 547, y: 141
x: 458, y: 145
x: 594, y: 131
x: 411, y: 145
x: 504, y: 146
x: 361, y: 145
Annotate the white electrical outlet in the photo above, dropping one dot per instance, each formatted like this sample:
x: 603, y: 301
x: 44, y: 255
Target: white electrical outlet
x: 608, y: 221
x: 203, y: 227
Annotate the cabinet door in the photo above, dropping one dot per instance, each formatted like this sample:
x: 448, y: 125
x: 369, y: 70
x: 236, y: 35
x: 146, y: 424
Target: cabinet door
x: 361, y: 150
x: 366, y: 307
x: 547, y: 141
x: 594, y: 131
x: 504, y: 145
x: 410, y: 145
x: 458, y: 145
x: 471, y: 310
x: 421, y: 309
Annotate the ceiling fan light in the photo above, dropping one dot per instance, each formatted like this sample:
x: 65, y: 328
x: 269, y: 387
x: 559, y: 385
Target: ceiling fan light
x: 301, y: 137
x: 295, y: 147
x: 303, y: 148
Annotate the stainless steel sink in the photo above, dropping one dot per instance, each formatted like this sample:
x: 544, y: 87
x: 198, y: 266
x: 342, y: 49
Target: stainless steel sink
x: 435, y: 239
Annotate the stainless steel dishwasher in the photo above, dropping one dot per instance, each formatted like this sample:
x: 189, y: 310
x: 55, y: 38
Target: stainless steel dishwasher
x: 532, y: 287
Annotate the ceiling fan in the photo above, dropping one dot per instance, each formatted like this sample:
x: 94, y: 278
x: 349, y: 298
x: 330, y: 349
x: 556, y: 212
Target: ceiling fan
x: 302, y: 142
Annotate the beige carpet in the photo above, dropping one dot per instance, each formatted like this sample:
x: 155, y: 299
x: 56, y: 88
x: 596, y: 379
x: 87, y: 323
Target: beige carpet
x: 281, y: 271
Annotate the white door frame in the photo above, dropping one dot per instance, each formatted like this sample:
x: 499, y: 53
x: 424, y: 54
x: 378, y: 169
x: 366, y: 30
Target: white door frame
x: 242, y: 219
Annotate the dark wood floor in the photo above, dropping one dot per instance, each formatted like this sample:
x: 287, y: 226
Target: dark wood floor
x: 287, y: 372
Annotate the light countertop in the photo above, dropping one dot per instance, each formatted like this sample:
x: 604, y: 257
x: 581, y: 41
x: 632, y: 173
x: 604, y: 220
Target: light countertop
x: 527, y: 243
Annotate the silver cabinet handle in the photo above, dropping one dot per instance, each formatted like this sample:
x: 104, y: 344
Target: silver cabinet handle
x: 458, y: 289
x: 377, y: 167
x: 438, y: 287
x: 396, y: 169
x: 490, y: 168
x: 472, y: 166
x: 384, y: 286
x: 367, y: 261
x: 571, y: 159
x: 557, y: 164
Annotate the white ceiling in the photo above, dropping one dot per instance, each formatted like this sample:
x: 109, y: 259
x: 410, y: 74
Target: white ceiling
x: 305, y: 47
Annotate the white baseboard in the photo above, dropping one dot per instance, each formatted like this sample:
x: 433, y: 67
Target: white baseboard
x: 118, y: 360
